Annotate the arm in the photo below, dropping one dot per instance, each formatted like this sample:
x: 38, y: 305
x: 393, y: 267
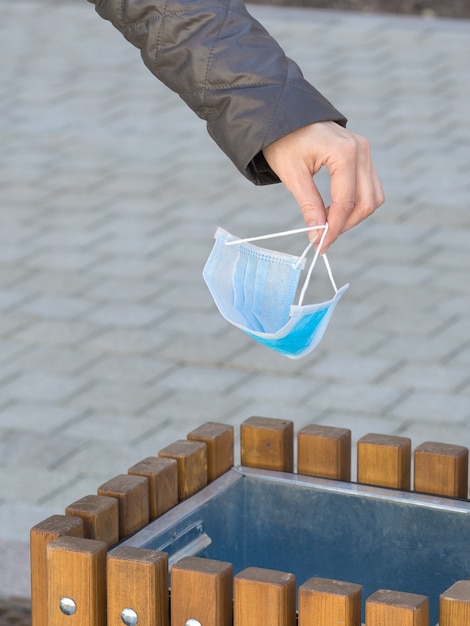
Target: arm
x: 259, y: 109
x: 227, y: 68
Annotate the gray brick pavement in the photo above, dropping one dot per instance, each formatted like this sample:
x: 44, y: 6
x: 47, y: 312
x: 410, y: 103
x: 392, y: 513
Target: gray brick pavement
x: 110, y: 192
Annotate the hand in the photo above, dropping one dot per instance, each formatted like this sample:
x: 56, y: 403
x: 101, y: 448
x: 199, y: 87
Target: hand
x: 355, y: 187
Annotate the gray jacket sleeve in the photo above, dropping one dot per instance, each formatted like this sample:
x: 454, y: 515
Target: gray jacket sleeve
x: 227, y: 68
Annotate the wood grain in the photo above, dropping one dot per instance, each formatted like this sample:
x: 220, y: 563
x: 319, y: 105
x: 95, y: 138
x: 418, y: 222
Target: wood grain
x: 219, y: 440
x: 77, y: 570
x: 201, y: 589
x: 138, y: 580
x: 324, y: 451
x: 441, y: 469
x: 267, y: 443
x: 454, y: 605
x: 40, y: 536
x: 132, y: 494
x: 191, y: 459
x: 393, y: 608
x: 329, y: 603
x: 162, y: 475
x: 384, y: 461
x: 263, y: 596
x: 100, y: 515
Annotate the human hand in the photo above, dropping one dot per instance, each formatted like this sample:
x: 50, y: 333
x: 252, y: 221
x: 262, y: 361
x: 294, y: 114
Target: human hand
x: 355, y: 187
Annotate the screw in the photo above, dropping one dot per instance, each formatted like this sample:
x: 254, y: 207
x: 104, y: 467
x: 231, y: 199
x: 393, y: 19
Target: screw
x: 67, y: 606
x: 129, y: 617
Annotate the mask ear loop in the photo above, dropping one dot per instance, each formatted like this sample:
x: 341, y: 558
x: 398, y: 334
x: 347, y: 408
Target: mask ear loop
x: 312, y: 265
x: 235, y: 242
x: 302, y: 256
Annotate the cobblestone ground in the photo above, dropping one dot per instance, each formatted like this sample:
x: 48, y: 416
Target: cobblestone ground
x: 110, y: 192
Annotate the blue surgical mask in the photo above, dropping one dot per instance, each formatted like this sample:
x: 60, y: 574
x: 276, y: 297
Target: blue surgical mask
x: 254, y: 289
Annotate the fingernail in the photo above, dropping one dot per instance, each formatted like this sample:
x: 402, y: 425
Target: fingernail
x: 314, y: 235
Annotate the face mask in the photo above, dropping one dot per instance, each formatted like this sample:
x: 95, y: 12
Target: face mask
x: 254, y: 289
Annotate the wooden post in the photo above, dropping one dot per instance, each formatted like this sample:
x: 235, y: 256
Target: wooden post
x: 268, y: 443
x: 201, y: 590
x: 219, y: 441
x: 132, y: 494
x: 263, y: 596
x: 191, y: 458
x: 162, y: 475
x: 384, y: 461
x: 137, y: 587
x: 454, y: 606
x: 324, y: 602
x: 40, y: 536
x: 441, y: 469
x: 100, y: 515
x: 390, y: 608
x: 324, y: 451
x: 76, y: 570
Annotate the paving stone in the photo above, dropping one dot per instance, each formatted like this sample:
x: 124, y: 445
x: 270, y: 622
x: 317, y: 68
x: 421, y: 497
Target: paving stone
x: 52, y: 360
x: 115, y: 396
x: 9, y: 349
x: 42, y: 450
x: 113, y: 427
x: 353, y: 368
x: 125, y: 341
x: 212, y: 380
x: 422, y: 349
x: 56, y: 307
x: 359, y: 397
x: 126, y: 315
x: 24, y: 486
x: 440, y: 378
x: 57, y: 332
x: 185, y: 409
x: 36, y: 417
x: 136, y: 369
x: 41, y: 387
x: 123, y: 290
x: 432, y: 406
x: 16, y: 582
x: 57, y: 282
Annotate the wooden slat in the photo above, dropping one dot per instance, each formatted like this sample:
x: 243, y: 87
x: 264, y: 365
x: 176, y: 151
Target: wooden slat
x: 100, y: 515
x: 329, y: 603
x: 76, y: 570
x: 137, y: 584
x: 441, y: 469
x: 132, y: 494
x: 454, y: 606
x: 40, y: 536
x: 201, y: 589
x: 396, y: 608
x: 219, y: 440
x: 324, y: 451
x: 162, y: 475
x: 267, y: 443
x: 384, y: 460
x: 191, y: 458
x: 263, y: 596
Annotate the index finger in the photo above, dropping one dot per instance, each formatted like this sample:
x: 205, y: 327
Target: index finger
x: 343, y: 196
